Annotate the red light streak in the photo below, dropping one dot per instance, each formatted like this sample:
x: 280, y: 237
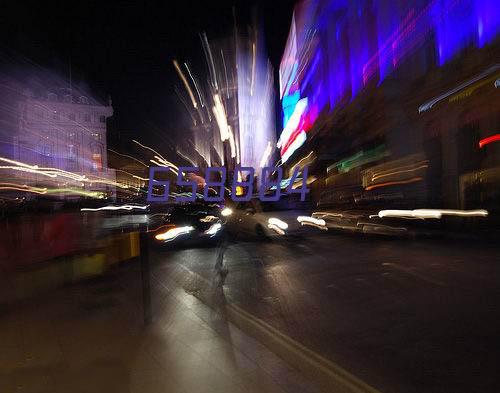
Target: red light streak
x: 490, y: 139
x: 305, y: 125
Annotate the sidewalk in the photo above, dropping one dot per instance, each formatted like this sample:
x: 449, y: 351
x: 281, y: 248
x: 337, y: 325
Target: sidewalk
x: 90, y: 337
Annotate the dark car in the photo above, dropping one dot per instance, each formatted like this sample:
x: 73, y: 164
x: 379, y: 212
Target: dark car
x: 187, y: 224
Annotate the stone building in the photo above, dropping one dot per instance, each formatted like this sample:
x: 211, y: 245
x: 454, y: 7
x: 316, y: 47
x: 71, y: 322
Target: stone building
x: 56, y: 131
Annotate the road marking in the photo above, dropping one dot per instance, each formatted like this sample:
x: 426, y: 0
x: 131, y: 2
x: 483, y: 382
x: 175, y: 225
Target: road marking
x: 330, y: 376
x: 415, y: 274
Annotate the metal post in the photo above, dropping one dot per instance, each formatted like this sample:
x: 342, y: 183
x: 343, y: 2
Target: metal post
x: 146, y: 279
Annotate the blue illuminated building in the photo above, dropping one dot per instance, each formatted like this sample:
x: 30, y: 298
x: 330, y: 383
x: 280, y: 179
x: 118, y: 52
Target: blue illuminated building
x: 338, y: 48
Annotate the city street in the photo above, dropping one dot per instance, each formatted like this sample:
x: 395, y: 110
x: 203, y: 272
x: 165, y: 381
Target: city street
x: 90, y: 337
x: 284, y: 196
x: 403, y: 316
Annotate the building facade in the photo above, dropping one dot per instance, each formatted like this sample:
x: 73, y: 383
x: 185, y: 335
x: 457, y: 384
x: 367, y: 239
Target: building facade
x: 389, y: 100
x: 54, y: 139
x: 232, y: 115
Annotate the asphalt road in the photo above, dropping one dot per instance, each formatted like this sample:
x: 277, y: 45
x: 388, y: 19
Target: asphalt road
x: 402, y: 315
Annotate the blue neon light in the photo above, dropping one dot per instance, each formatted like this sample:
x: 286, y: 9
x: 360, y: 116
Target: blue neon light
x: 289, y: 102
x: 357, y: 42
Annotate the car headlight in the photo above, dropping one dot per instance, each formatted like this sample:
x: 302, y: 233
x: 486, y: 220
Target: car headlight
x: 172, y: 233
x: 315, y: 222
x: 226, y: 212
x: 209, y: 219
x: 277, y: 222
x: 214, y: 228
x: 277, y: 225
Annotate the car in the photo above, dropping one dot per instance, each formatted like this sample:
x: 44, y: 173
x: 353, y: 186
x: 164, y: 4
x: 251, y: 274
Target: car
x: 188, y: 224
x: 265, y: 220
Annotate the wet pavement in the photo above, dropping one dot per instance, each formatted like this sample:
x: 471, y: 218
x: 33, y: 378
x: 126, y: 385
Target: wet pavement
x: 90, y: 337
x: 401, y: 315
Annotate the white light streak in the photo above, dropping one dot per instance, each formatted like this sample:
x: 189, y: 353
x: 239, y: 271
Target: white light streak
x: 305, y: 220
x: 210, y: 60
x: 298, y: 142
x: 428, y: 105
x: 172, y: 233
x: 214, y: 228
x: 220, y: 117
x: 232, y: 144
x: 292, y: 123
x: 113, y: 208
x: 195, y: 84
x: 254, y: 55
x: 275, y: 228
x: 266, y: 155
x: 430, y: 213
x: 277, y: 222
x: 56, y: 172
x: 209, y: 219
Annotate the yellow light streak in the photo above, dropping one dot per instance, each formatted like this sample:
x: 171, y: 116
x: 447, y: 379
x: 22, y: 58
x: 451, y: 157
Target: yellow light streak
x: 399, y: 170
x: 186, y: 84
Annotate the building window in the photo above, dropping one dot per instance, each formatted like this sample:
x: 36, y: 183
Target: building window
x: 26, y: 152
x: 45, y: 150
x: 55, y: 115
x: 102, y: 119
x: 83, y: 100
x: 71, y: 116
x: 72, y: 157
x: 86, y: 117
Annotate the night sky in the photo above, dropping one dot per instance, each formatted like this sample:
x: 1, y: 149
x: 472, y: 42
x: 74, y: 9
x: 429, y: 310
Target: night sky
x: 125, y: 49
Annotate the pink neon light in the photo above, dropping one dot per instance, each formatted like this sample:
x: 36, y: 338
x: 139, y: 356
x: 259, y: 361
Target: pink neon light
x: 306, y: 122
x: 372, y: 64
x: 490, y: 139
x: 294, y: 135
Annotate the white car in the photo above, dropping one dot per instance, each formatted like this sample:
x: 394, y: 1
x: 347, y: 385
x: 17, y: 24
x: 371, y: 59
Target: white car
x: 264, y: 219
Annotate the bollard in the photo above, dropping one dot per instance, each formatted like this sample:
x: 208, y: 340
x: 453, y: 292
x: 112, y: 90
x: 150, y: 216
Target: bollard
x: 146, y: 279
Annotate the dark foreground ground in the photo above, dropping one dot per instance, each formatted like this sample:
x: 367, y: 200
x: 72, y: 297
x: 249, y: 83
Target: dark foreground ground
x: 402, y: 315
x: 90, y: 338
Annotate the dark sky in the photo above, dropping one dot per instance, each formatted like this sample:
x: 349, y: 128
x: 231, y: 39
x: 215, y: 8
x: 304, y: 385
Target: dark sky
x: 125, y: 48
